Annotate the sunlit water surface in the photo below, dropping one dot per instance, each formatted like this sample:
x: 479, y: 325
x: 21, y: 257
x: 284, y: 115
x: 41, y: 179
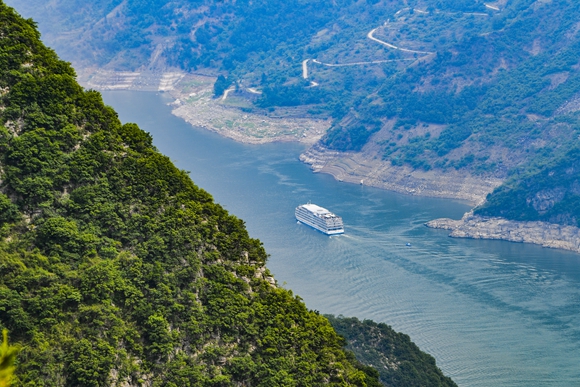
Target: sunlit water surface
x: 492, y: 313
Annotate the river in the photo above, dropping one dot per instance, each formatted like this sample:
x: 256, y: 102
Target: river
x: 492, y: 313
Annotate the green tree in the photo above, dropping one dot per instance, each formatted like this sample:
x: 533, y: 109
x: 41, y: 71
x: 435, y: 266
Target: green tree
x: 8, y: 355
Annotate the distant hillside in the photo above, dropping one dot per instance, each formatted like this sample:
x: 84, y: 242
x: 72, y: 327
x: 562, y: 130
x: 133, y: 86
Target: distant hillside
x: 260, y: 36
x: 488, y: 89
x: 550, y: 193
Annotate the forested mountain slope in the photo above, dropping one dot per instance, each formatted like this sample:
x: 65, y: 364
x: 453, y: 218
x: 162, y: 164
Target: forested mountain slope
x: 488, y: 89
x: 398, y: 360
x: 116, y: 269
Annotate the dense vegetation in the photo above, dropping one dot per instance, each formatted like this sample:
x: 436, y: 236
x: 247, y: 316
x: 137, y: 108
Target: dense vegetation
x: 260, y: 35
x: 398, y: 360
x: 8, y: 355
x: 116, y: 268
x: 549, y: 193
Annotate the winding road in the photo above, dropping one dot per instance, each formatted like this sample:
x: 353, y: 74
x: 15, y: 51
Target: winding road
x: 227, y: 92
x: 253, y: 90
x: 305, y: 68
x: 359, y: 63
x: 371, y: 37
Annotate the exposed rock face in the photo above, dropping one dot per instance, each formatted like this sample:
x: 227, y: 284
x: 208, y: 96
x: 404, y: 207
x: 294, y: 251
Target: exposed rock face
x: 540, y: 233
x: 368, y: 169
x: 546, y: 199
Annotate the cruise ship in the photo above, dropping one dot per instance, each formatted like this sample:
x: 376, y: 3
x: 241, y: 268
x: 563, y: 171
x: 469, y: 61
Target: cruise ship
x: 319, y: 218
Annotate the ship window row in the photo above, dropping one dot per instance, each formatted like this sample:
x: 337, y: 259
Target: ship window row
x: 310, y: 215
x: 323, y: 223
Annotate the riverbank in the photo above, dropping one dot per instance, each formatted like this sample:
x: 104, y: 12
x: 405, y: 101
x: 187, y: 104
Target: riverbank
x: 540, y: 233
x: 361, y: 168
x: 104, y: 80
x: 231, y: 116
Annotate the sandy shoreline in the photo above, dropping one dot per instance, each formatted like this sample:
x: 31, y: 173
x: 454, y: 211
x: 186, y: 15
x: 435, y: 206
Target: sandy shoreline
x: 364, y: 169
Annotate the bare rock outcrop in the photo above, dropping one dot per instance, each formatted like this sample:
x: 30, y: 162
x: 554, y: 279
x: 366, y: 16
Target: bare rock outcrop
x: 540, y: 233
x: 545, y: 199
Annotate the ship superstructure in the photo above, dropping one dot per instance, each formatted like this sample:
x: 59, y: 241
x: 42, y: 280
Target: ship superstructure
x: 319, y: 218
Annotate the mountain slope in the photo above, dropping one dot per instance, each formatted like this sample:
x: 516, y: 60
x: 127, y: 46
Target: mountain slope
x: 116, y: 268
x: 550, y: 193
x: 398, y: 360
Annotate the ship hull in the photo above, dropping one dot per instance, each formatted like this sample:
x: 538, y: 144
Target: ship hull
x: 334, y: 232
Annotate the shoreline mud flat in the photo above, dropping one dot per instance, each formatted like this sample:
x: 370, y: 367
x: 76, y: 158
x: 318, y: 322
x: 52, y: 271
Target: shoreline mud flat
x: 194, y: 102
x: 100, y: 79
x: 540, y: 233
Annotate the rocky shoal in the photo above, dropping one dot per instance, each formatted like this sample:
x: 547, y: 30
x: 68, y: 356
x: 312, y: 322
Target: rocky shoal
x: 540, y: 233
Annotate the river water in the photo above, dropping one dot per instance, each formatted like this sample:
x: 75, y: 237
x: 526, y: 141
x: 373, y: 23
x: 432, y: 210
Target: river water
x: 492, y: 313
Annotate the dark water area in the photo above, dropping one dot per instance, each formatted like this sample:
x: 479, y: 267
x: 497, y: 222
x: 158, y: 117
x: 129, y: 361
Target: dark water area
x: 492, y: 313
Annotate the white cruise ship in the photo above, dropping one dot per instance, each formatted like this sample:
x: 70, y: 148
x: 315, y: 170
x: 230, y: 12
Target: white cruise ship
x: 319, y: 218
